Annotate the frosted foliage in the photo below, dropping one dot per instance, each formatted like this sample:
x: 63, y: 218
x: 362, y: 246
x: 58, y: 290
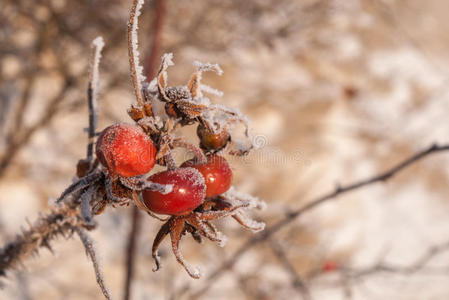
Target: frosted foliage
x: 151, y: 86
x: 161, y: 188
x: 213, y: 234
x: 86, y: 213
x: 253, y: 225
x: 135, y: 45
x: 221, y: 117
x: 199, y: 100
x: 90, y: 249
x: 188, y: 174
x: 79, y: 185
x: 98, y: 44
x: 223, y: 239
x: 203, y: 67
x: 195, y: 272
x: 167, y: 61
x: 217, y: 120
x: 232, y: 111
x: 157, y: 258
x: 210, y: 90
x: 152, y: 122
x: 237, y: 197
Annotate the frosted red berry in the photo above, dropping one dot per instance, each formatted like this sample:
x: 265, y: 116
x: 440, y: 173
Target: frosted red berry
x: 211, y: 141
x: 125, y: 150
x: 187, y: 192
x: 216, y: 172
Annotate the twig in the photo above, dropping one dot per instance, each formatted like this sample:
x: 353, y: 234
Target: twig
x: 92, y: 94
x: 131, y: 250
x: 419, y: 264
x: 228, y: 264
x: 90, y: 249
x: 133, y: 52
x: 59, y: 222
x: 298, y: 282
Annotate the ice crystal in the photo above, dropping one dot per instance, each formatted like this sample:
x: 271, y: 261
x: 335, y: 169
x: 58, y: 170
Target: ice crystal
x: 211, y: 90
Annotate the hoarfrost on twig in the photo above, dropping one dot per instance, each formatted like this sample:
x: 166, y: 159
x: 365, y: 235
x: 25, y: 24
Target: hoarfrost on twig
x: 237, y: 196
x: 80, y: 184
x: 86, y: 211
x: 167, y: 61
x: 247, y: 222
x: 133, y: 52
x: 94, y: 76
x: 211, y: 90
x: 92, y: 93
x: 202, y: 67
x: 196, y: 79
x: 194, y: 272
x: 59, y: 222
x: 90, y: 249
x: 141, y: 183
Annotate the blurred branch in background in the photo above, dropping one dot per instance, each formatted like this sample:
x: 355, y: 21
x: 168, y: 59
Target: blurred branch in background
x: 37, y: 26
x: 292, y: 216
x: 297, y: 281
x: 349, y: 278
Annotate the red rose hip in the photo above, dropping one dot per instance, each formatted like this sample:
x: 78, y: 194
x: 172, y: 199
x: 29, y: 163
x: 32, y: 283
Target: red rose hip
x: 217, y: 174
x: 187, y: 192
x: 125, y: 150
x: 211, y: 141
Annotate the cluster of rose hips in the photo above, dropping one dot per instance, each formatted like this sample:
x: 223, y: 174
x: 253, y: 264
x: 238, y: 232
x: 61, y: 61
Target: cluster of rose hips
x: 127, y: 151
x: 191, y: 194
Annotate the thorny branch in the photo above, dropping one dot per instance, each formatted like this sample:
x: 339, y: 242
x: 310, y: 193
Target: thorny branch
x: 59, y: 222
x: 66, y: 217
x: 292, y: 216
x: 88, y: 245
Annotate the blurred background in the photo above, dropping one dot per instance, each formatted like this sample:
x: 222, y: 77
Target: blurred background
x: 337, y: 91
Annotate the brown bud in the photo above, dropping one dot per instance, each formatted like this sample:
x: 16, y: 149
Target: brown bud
x: 211, y: 141
x: 136, y: 113
x: 82, y: 168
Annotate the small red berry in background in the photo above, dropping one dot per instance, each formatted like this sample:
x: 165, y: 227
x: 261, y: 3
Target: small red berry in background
x: 125, y: 150
x: 329, y: 266
x: 211, y: 141
x: 217, y: 174
x: 188, y: 192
